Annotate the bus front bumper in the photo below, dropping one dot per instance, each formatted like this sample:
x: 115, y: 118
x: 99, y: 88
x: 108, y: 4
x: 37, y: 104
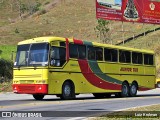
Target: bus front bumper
x: 30, y: 88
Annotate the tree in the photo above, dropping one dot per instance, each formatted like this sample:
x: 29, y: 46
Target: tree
x: 6, y: 70
x: 1, y: 52
x: 102, y: 30
x: 26, y: 7
x: 19, y: 5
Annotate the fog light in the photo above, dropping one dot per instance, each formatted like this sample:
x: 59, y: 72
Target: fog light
x: 15, y: 90
x: 40, y: 88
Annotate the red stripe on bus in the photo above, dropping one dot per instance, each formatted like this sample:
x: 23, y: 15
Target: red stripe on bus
x: 78, y: 41
x: 144, y: 89
x: 30, y: 88
x: 67, y: 49
x: 94, y: 80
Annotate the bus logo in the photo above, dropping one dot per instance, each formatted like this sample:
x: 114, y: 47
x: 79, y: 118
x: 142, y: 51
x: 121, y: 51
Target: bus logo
x: 6, y: 114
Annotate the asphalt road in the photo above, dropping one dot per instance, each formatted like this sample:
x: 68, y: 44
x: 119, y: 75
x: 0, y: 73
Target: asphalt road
x: 84, y: 106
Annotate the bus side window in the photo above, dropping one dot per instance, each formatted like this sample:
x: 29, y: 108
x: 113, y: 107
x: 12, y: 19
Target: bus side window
x: 99, y: 54
x: 62, y: 54
x: 82, y: 52
x: 110, y: 55
x: 55, y: 59
x: 91, y: 53
x: 73, y: 51
x: 57, y: 56
x: 148, y: 59
x: 137, y: 58
x: 124, y: 56
x: 77, y: 51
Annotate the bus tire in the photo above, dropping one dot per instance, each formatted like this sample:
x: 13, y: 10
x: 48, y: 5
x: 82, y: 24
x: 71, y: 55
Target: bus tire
x: 125, y: 90
x: 68, y: 91
x: 158, y: 84
x: 38, y: 97
x: 133, y: 89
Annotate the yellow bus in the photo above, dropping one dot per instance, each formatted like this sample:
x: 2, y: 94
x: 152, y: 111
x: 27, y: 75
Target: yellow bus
x: 68, y: 67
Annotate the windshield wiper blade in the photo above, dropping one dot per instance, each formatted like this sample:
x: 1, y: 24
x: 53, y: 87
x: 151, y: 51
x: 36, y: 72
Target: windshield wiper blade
x: 21, y: 64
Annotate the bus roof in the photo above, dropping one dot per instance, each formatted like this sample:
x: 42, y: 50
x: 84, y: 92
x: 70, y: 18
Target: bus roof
x: 40, y: 40
x: 123, y: 48
x: 50, y: 39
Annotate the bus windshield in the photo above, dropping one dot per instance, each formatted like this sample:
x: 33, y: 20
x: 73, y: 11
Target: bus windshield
x: 32, y: 55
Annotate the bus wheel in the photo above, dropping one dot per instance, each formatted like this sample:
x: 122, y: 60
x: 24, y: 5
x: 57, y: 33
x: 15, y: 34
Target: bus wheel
x: 125, y: 90
x: 67, y: 91
x: 133, y: 89
x: 158, y: 84
x: 38, y: 97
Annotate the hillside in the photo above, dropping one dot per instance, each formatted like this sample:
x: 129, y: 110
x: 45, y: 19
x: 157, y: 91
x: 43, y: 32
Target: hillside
x: 70, y: 18
x: 66, y: 18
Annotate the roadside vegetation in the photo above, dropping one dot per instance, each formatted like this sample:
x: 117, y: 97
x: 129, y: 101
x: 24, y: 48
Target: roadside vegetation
x: 7, y: 56
x: 132, y: 114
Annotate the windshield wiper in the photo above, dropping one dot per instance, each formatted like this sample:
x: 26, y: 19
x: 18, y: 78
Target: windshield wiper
x: 21, y: 64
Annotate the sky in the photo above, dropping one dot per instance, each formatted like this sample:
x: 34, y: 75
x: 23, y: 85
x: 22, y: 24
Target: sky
x: 118, y: 2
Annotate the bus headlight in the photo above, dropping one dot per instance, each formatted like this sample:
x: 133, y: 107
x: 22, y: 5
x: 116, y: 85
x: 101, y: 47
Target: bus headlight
x: 15, y: 89
x: 40, y: 88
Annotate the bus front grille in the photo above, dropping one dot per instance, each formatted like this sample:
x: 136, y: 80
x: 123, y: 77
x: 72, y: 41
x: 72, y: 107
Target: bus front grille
x: 28, y: 76
x: 26, y: 81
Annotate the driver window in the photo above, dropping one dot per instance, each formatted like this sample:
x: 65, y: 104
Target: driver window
x: 55, y: 59
x: 57, y: 56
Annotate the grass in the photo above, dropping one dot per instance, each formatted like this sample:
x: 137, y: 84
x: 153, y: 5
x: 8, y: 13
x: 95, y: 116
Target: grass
x: 6, y: 86
x: 6, y: 51
x: 132, y: 114
x: 12, y: 8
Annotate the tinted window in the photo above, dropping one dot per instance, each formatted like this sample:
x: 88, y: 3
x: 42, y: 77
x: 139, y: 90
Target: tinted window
x: 95, y: 53
x: 110, y: 55
x: 99, y: 53
x: 73, y: 51
x: 91, y: 53
x: 82, y: 51
x: 77, y: 51
x: 148, y: 59
x: 124, y: 56
x: 137, y: 58
x: 57, y: 56
x: 62, y: 44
